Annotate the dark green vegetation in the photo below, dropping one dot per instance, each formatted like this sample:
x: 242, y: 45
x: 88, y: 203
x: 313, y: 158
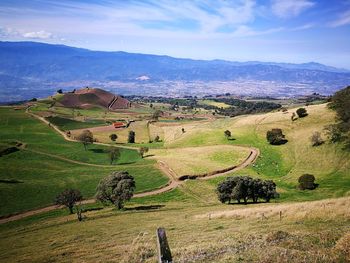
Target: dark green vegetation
x: 45, y: 168
x: 240, y: 107
x: 245, y: 187
x: 340, y: 102
x: 275, y: 137
x: 307, y: 181
x: 302, y: 112
x: 117, y: 188
x: 66, y: 124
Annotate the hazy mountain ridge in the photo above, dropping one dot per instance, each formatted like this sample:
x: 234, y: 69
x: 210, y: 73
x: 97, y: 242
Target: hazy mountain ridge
x: 30, y: 66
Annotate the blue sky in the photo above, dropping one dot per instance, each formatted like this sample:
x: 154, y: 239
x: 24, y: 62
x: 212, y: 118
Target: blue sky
x: 294, y: 31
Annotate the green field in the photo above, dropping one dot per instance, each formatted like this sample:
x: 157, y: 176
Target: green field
x: 199, y: 227
x: 45, y: 169
x: 69, y: 124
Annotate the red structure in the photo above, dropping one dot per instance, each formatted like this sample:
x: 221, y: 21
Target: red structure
x: 119, y: 125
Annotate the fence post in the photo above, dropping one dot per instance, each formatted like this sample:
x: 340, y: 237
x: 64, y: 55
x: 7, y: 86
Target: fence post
x: 164, y: 253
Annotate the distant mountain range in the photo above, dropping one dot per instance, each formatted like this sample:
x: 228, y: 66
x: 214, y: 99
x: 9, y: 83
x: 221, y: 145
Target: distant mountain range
x: 31, y: 69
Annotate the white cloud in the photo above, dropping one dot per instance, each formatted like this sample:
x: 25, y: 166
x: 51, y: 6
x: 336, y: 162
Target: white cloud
x: 290, y: 8
x: 38, y: 35
x: 343, y: 19
x: 245, y: 31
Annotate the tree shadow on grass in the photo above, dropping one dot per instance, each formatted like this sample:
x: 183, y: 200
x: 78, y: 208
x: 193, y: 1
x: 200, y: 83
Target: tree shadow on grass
x: 143, y: 207
x: 248, y: 203
x: 97, y: 150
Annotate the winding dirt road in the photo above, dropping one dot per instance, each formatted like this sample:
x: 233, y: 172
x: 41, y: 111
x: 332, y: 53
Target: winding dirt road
x: 173, y: 178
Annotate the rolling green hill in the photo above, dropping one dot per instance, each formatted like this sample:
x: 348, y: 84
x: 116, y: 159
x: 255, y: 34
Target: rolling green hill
x: 293, y: 228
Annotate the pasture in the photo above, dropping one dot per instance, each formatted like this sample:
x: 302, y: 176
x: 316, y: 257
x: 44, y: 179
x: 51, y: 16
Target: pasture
x: 199, y: 160
x: 199, y: 227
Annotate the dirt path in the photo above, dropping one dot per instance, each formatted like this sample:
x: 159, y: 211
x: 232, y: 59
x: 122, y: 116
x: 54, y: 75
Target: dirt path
x: 174, y: 182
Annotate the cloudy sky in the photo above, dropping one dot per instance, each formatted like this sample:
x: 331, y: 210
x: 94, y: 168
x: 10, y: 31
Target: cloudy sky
x: 240, y: 30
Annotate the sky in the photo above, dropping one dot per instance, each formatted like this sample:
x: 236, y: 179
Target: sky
x: 294, y: 31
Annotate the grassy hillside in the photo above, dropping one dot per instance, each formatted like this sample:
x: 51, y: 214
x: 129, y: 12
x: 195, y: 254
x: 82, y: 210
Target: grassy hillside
x: 198, y: 160
x: 199, y: 227
x: 45, y: 166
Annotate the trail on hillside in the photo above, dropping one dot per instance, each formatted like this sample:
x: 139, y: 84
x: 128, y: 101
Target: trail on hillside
x: 174, y: 182
x: 163, y: 167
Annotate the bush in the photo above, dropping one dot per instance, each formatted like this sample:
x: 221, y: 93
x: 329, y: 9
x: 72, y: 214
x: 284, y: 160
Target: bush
x: 316, y: 139
x: 275, y: 137
x: 131, y: 137
x: 302, y: 112
x: 306, y: 181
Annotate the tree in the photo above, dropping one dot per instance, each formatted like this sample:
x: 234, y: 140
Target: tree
x: 113, y: 137
x: 131, y: 137
x: 293, y: 116
x: 227, y: 134
x: 302, y: 112
x: 183, y: 130
x: 114, y: 154
x: 60, y: 91
x: 157, y: 114
x: 316, y: 139
x: 340, y: 132
x: 86, y: 137
x: 68, y: 198
x: 306, y: 181
x: 143, y: 150
x: 157, y: 138
x: 275, y: 137
x: 245, y: 187
x: 116, y: 188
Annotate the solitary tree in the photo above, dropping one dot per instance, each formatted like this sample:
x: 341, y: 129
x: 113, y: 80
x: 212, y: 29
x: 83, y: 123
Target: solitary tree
x: 302, y: 112
x: 157, y: 114
x: 113, y: 137
x: 68, y: 198
x: 131, y: 137
x: 307, y: 181
x: 60, y: 91
x: 183, y: 130
x: 157, y: 138
x: 143, y: 150
x: 275, y: 137
x: 116, y: 188
x: 227, y: 134
x: 86, y: 137
x: 316, y: 139
x: 114, y: 154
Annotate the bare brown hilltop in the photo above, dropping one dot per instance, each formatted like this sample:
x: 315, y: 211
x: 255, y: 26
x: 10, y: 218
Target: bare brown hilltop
x: 92, y: 97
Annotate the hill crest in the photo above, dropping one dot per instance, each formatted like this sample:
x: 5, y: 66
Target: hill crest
x: 92, y: 97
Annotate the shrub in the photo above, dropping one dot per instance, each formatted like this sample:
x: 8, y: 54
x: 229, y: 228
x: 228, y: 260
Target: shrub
x: 275, y: 137
x: 306, y: 181
x: 302, y: 112
x: 157, y: 139
x: 113, y: 137
x: 316, y: 139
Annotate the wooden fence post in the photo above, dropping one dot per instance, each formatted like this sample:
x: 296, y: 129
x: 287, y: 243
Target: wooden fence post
x: 164, y: 253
